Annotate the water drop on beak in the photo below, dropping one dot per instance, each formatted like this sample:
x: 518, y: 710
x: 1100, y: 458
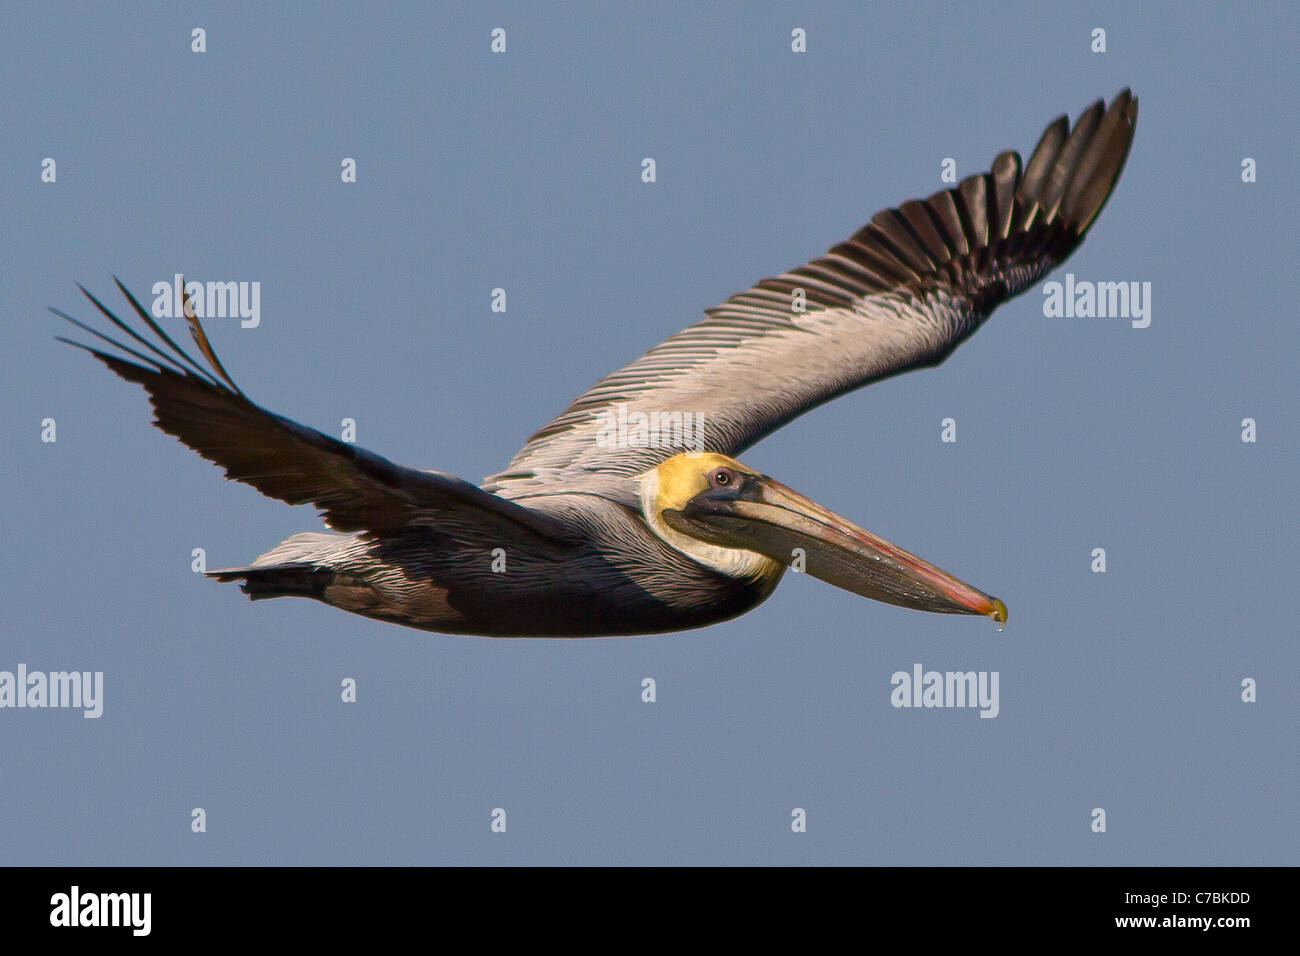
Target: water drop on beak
x: 999, y: 614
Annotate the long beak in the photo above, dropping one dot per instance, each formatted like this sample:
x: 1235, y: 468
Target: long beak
x: 774, y: 520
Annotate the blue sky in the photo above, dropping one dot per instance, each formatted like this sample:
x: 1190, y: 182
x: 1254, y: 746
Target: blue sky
x: 522, y: 171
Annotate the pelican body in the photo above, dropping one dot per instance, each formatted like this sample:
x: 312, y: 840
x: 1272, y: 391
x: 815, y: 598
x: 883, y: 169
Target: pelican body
x: 581, y: 537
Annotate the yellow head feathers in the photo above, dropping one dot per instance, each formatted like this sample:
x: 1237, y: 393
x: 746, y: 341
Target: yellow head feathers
x: 680, y: 478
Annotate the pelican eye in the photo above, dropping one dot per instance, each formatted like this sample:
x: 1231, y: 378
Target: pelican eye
x: 723, y: 477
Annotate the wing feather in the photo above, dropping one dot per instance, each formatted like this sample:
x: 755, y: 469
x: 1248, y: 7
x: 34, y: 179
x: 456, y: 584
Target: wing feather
x: 899, y: 294
x: 355, y: 490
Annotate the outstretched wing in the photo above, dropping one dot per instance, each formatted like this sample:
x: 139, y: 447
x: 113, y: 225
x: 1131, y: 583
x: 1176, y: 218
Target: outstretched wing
x: 902, y: 293
x: 355, y: 490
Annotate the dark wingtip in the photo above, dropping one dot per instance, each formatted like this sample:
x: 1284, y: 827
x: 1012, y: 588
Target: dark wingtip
x: 75, y: 344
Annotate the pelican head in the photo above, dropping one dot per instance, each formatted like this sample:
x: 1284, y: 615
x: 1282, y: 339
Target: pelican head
x: 742, y: 523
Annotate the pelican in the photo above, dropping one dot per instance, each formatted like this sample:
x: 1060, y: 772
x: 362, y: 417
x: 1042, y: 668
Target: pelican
x: 585, y: 533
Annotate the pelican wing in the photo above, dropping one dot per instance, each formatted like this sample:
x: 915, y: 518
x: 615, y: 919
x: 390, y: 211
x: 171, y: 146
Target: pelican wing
x: 355, y: 490
x: 902, y: 293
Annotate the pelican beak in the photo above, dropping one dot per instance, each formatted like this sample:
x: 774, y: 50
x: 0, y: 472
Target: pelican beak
x: 759, y: 514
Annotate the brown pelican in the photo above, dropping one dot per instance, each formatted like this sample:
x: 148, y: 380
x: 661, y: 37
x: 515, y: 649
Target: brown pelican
x: 588, y: 531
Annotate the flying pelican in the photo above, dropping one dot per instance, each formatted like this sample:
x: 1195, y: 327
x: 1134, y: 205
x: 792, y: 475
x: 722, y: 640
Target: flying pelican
x: 583, y: 536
